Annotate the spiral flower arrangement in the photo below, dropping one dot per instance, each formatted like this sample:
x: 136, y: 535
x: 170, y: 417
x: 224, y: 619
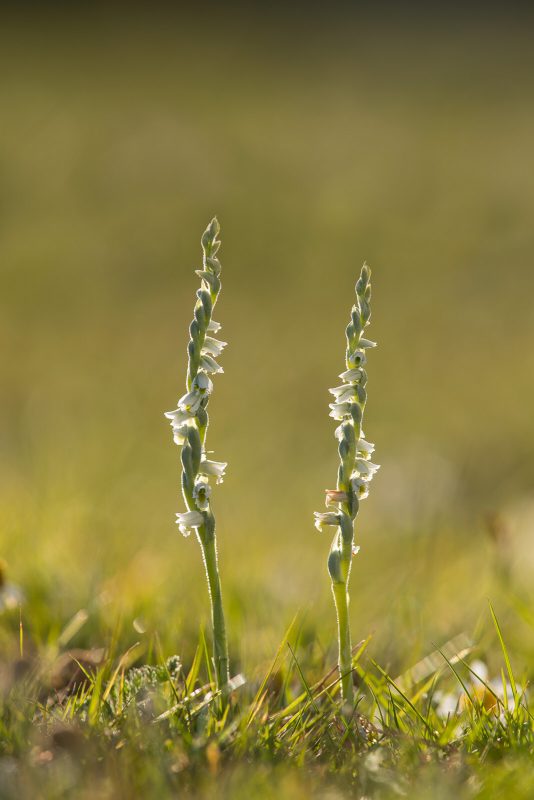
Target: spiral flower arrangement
x: 189, y: 422
x: 355, y: 472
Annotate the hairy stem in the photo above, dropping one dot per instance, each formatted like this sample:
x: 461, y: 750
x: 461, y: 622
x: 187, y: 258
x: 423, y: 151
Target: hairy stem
x: 341, y: 599
x: 220, y: 645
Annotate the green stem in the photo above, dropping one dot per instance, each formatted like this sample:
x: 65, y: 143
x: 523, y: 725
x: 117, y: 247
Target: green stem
x: 220, y: 645
x: 341, y: 599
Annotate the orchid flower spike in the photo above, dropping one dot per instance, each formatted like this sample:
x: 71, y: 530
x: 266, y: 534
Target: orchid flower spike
x: 355, y: 470
x: 189, y: 423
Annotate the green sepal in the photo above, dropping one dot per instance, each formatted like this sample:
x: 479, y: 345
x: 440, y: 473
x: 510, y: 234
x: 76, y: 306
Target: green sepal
x: 205, y: 298
x: 194, y: 330
x: 361, y: 393
x: 187, y: 465
x: 366, y: 312
x: 346, y: 528
x: 356, y: 413
x: 193, y: 438
x: 210, y: 234
x: 334, y: 563
x: 200, y: 314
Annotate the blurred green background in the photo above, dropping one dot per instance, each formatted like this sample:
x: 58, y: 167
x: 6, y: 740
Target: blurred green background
x: 320, y: 140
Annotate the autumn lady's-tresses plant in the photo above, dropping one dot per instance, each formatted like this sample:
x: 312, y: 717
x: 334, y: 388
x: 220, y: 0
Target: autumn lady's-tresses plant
x: 355, y: 471
x: 189, y: 423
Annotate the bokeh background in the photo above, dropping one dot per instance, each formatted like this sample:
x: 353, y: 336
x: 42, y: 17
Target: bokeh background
x: 321, y: 139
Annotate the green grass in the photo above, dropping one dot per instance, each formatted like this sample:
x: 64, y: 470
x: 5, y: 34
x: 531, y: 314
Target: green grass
x: 154, y: 731
x: 405, y: 145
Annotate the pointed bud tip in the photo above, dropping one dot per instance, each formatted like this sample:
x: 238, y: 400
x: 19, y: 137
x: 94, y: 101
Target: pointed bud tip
x: 211, y: 232
x: 363, y: 281
x: 214, y: 227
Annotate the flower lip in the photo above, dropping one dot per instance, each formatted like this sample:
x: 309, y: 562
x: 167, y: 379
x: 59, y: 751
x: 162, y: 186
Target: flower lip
x: 202, y: 492
x: 202, y: 383
x: 360, y: 487
x: 357, y: 359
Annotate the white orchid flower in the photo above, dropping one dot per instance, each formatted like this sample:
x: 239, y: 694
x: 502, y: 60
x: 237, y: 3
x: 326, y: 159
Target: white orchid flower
x: 357, y: 359
x: 364, y: 449
x: 209, y: 364
x: 188, y: 520
x: 339, y: 410
x: 178, y: 416
x: 352, y: 375
x: 323, y: 519
x: 215, y: 468
x: 360, y: 487
x: 213, y: 347
x: 190, y: 402
x: 202, y: 383
x: 201, y: 493
x: 344, y: 393
x: 201, y: 387
x: 334, y: 496
x: 365, y: 469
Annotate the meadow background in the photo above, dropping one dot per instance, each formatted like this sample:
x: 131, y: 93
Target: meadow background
x: 320, y: 141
